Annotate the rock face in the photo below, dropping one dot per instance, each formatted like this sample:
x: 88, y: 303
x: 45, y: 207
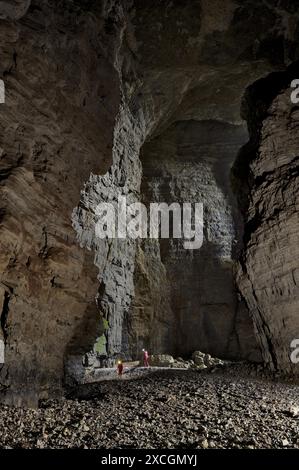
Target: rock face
x: 142, y: 99
x: 191, y: 162
x: 53, y: 133
x: 268, y: 272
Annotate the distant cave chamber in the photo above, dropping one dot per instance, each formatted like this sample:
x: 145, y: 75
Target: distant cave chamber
x: 182, y: 300
x: 187, y: 300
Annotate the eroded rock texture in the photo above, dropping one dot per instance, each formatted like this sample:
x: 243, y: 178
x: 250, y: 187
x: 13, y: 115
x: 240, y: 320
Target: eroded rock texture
x: 190, y: 163
x: 268, y: 273
x: 62, y: 96
x: 142, y: 99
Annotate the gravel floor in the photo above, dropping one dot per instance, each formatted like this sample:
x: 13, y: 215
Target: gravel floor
x: 167, y: 409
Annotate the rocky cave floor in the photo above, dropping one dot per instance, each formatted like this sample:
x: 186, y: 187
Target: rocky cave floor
x: 233, y: 407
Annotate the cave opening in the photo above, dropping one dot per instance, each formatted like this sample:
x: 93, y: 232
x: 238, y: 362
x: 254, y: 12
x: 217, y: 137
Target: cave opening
x: 155, y: 294
x: 191, y: 300
x: 187, y: 300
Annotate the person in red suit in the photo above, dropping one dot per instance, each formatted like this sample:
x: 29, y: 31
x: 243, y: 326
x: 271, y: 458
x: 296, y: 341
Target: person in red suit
x: 145, y: 358
x: 120, y: 368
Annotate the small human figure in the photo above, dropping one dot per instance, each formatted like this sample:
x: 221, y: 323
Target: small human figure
x: 120, y: 368
x: 145, y: 358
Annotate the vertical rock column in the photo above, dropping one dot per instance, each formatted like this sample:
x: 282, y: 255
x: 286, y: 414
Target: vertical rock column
x: 115, y: 258
x: 268, y: 275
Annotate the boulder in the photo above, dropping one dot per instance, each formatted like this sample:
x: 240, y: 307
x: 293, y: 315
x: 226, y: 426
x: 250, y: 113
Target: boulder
x: 208, y: 360
x: 161, y: 360
x: 198, y: 358
x: 202, y: 360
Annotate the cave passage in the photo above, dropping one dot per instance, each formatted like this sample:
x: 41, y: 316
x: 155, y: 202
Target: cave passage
x: 186, y: 300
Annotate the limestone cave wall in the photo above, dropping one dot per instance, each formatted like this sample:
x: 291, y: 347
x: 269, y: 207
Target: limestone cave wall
x: 268, y: 268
